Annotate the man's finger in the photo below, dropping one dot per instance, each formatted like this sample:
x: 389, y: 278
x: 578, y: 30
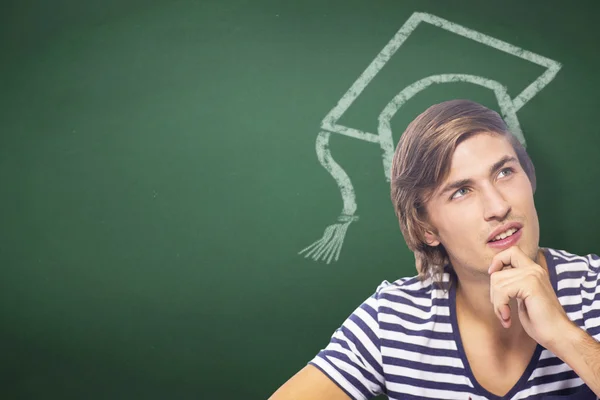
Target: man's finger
x: 512, y: 256
x: 503, y: 278
x: 501, y: 292
x: 504, y: 312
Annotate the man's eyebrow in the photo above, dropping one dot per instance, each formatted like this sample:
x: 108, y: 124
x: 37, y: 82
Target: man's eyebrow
x: 499, y: 164
x: 464, y: 182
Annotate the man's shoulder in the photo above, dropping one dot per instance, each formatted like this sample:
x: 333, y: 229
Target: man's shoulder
x: 412, y: 292
x: 566, y: 261
x: 411, y: 284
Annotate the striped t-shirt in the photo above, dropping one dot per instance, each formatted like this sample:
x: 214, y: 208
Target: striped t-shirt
x: 404, y: 342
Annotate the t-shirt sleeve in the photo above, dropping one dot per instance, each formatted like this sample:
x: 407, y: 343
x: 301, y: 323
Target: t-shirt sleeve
x: 590, y: 297
x: 352, y: 359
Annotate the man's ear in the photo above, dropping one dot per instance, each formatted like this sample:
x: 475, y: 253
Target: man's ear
x: 431, y: 238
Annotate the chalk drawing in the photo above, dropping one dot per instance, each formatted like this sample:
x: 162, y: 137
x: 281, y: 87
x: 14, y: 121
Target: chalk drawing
x: 328, y: 247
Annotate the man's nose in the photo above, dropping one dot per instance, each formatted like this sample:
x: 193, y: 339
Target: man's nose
x: 495, y: 205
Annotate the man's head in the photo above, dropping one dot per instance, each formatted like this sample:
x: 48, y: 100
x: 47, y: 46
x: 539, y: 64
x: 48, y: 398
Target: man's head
x: 458, y: 175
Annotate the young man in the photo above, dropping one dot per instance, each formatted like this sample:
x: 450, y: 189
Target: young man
x: 491, y: 315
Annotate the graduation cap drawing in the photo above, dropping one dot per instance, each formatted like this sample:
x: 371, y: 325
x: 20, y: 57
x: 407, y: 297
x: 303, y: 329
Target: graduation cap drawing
x: 329, y: 246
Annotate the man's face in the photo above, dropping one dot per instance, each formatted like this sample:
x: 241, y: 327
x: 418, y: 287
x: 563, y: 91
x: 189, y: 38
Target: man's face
x: 486, y: 189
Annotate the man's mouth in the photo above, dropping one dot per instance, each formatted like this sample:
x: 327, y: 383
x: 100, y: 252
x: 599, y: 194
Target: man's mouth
x: 505, y: 230
x: 504, y: 234
x: 506, y: 239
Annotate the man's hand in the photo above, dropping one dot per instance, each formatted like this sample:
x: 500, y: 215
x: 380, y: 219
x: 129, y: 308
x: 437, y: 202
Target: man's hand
x: 540, y: 312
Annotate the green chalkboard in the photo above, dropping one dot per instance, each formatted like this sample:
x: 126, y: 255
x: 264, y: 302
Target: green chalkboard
x: 164, y: 163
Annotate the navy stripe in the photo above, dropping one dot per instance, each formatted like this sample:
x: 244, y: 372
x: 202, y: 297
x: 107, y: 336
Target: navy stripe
x: 344, y: 357
x: 595, y: 258
x: 549, y: 362
x: 397, y: 299
x: 421, y: 383
x: 419, y: 349
x: 556, y: 394
x: 579, y: 322
x: 442, y: 369
x: 363, y: 350
x: 569, y: 291
x: 561, y: 376
x: 593, y: 300
x: 569, y: 257
x: 591, y: 283
x: 369, y: 310
x: 594, y: 313
x: 572, y: 308
x: 426, y: 333
x: 421, y: 293
x: 595, y: 332
x: 342, y: 343
x: 592, y: 291
x: 439, y: 302
x: 414, y: 319
x: 335, y: 381
x: 411, y: 281
x: 366, y: 329
x: 571, y: 274
x: 403, y: 396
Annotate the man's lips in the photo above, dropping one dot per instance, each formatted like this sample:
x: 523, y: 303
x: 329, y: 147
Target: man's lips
x: 507, y: 242
x: 504, y: 228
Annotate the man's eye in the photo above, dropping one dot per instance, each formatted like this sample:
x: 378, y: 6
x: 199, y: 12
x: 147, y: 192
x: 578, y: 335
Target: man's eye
x: 506, y: 171
x: 459, y: 193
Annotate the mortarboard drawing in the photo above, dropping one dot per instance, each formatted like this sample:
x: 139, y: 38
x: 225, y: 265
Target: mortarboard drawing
x: 329, y: 246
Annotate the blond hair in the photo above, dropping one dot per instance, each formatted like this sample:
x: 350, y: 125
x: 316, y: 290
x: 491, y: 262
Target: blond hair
x: 421, y: 163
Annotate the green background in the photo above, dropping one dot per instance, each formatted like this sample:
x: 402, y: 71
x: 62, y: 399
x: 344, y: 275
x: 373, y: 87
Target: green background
x: 159, y: 177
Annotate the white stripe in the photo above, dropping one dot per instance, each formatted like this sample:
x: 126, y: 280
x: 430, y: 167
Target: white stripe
x: 550, y: 370
x: 592, y: 322
x: 423, y: 302
x: 569, y: 283
x: 570, y: 300
x: 546, y: 354
x: 561, y: 253
x: 570, y: 267
x: 590, y: 295
x: 423, y: 341
x: 425, y: 285
x: 356, y: 373
x: 366, y: 341
x: 339, y: 378
x: 568, y: 256
x: 439, y: 311
x: 435, y: 311
x: 591, y: 284
x: 426, y: 392
x: 405, y: 308
x: 575, y: 315
x: 594, y: 262
x: 416, y: 285
x: 367, y: 318
x: 548, y: 387
x: 430, y: 376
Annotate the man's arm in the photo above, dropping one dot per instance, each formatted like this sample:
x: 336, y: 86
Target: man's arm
x: 309, y: 384
x: 543, y: 316
x: 349, y: 367
x: 582, y: 353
